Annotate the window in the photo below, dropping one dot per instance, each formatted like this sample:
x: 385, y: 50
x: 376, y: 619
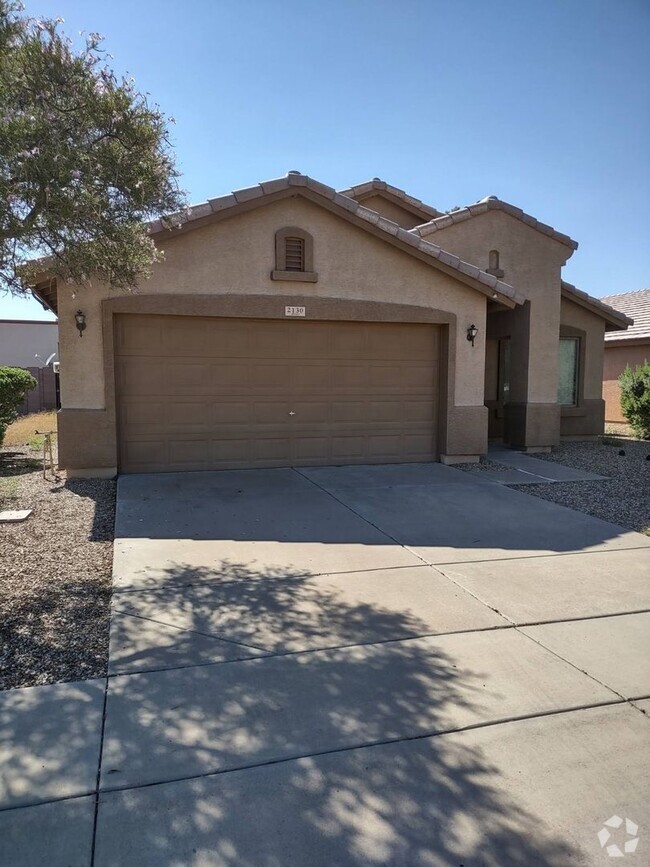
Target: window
x: 294, y: 255
x: 567, y: 387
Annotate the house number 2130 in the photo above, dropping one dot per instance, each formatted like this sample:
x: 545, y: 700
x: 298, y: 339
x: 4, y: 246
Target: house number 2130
x: 294, y: 311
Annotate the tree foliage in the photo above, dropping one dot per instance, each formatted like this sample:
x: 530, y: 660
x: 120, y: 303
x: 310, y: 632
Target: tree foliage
x: 14, y: 385
x: 85, y: 160
x: 635, y: 398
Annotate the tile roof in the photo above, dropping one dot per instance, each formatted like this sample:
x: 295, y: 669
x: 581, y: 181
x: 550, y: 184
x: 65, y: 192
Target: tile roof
x: 376, y: 185
x: 617, y: 320
x: 635, y: 305
x: 482, y: 281
x: 491, y: 203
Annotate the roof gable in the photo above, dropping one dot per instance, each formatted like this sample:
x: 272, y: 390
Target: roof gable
x: 491, y: 203
x: 377, y: 187
x: 296, y: 184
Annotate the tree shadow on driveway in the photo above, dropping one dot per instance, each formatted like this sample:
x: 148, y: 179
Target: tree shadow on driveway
x: 263, y: 763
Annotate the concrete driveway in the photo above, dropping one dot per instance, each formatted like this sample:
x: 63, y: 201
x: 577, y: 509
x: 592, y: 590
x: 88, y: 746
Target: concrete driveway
x: 391, y: 665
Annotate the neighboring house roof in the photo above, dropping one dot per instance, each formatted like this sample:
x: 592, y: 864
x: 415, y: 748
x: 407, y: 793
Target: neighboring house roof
x: 491, y: 203
x: 378, y: 187
x: 635, y: 305
x: 294, y: 183
x: 614, y: 319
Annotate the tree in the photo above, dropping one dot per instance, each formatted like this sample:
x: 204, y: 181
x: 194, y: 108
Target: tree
x: 14, y: 385
x: 635, y: 398
x: 85, y: 160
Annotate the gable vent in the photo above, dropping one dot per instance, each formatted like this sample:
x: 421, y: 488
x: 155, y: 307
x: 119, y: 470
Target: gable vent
x: 294, y: 254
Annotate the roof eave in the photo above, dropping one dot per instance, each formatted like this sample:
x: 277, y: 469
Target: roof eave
x: 614, y: 319
x: 294, y: 184
x: 493, y: 204
x: 399, y: 197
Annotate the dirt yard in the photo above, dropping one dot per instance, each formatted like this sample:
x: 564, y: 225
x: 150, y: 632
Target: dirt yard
x: 55, y: 568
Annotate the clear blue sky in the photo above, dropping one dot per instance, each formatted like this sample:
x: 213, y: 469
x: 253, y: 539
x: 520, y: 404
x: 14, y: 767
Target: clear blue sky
x: 544, y: 103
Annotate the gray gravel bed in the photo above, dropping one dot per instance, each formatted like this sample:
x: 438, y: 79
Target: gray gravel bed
x: 623, y: 498
x: 55, y: 574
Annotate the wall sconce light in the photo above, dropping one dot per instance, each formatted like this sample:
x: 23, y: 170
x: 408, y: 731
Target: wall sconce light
x: 80, y: 320
x: 472, y: 331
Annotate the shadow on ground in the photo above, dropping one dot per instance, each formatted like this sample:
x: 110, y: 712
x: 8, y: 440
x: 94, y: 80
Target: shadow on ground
x: 430, y: 801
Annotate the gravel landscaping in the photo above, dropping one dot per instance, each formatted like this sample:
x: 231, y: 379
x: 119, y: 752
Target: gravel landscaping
x: 623, y: 498
x: 55, y: 574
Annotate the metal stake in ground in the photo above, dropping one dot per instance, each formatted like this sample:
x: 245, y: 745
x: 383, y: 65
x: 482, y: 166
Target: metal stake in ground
x: 47, y: 450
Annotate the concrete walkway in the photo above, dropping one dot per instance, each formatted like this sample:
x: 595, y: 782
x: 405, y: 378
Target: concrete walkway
x: 524, y: 469
x: 391, y: 665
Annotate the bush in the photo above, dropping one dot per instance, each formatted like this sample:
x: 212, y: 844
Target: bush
x: 14, y: 385
x: 635, y: 398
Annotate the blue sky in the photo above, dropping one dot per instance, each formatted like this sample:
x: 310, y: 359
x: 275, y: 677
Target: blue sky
x: 544, y: 103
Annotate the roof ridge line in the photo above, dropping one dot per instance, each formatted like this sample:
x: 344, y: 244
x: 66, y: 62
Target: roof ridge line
x: 487, y: 204
x: 296, y: 179
x: 377, y: 184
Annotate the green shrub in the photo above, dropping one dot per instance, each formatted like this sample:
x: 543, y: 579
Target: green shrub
x: 14, y: 385
x: 635, y: 398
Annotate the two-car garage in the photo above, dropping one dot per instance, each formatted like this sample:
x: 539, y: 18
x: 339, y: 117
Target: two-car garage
x: 204, y: 393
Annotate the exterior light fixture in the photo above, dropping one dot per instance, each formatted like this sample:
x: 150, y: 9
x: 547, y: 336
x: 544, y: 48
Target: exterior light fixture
x: 80, y: 320
x: 472, y: 331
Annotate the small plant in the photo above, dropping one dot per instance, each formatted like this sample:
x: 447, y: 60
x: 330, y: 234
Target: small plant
x: 635, y: 398
x: 14, y: 385
x: 9, y: 488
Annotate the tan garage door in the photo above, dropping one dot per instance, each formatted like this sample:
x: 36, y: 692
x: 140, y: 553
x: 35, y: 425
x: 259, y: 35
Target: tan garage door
x: 205, y: 393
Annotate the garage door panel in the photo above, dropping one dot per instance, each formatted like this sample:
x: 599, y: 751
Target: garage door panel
x: 418, y: 410
x: 391, y: 345
x: 186, y: 377
x: 187, y: 451
x: 197, y: 393
x: 140, y: 336
x: 311, y: 376
x: 273, y: 449
x: 385, y: 447
x: 144, y: 414
x: 140, y: 376
x: 145, y: 454
x: 349, y: 378
x: 225, y: 412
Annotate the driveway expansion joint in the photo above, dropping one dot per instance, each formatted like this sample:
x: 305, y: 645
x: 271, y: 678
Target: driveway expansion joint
x: 523, y: 718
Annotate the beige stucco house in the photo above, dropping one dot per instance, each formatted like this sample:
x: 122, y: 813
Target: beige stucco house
x: 623, y: 348
x: 291, y: 324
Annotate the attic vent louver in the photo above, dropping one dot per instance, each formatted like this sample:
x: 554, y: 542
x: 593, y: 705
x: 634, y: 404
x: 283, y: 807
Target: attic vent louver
x: 294, y: 254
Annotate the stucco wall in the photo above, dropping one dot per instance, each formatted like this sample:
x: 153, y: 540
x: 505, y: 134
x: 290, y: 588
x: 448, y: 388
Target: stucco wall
x: 616, y: 360
x: 594, y: 328
x: 532, y: 263
x: 236, y: 256
x: 587, y: 418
